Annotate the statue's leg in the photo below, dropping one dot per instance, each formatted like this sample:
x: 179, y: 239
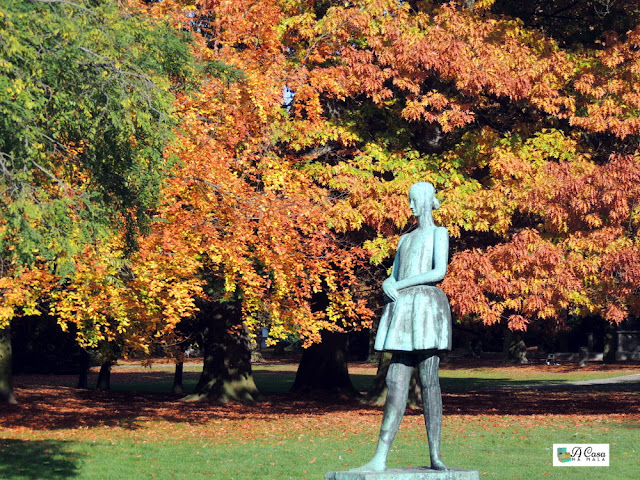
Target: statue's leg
x: 398, y: 378
x: 432, y: 404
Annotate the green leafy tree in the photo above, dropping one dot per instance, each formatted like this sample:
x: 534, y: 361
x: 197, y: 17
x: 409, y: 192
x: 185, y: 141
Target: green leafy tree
x: 85, y: 113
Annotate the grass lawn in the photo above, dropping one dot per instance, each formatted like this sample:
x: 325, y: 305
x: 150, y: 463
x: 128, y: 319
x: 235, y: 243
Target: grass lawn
x: 58, y: 432
x: 461, y: 375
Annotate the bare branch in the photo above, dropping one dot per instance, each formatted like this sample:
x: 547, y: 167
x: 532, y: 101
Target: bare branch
x: 53, y: 177
x: 3, y: 164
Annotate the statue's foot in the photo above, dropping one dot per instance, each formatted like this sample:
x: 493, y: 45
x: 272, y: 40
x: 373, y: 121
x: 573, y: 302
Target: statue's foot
x: 436, y: 464
x: 374, y: 465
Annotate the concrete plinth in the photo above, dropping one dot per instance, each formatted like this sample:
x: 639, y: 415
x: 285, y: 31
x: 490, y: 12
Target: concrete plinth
x: 409, y: 473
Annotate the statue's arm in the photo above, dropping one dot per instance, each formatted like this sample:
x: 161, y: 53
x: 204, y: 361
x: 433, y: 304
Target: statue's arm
x: 389, y: 285
x: 440, y: 261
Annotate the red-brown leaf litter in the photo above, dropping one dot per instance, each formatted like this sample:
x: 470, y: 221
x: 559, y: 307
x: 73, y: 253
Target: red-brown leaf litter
x: 47, y: 406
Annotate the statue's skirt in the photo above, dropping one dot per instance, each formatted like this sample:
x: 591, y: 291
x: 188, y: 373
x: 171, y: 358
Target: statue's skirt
x: 420, y: 319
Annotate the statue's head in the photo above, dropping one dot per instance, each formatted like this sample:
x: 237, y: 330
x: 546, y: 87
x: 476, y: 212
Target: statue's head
x: 422, y: 198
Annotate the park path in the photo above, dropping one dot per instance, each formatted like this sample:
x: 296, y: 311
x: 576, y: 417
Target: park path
x: 634, y: 378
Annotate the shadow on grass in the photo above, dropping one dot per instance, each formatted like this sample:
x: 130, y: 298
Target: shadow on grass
x: 268, y: 381
x: 621, y: 398
x: 463, y: 384
x: 37, y: 459
x: 274, y: 382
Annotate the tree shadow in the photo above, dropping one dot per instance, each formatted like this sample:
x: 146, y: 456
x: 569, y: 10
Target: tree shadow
x: 37, y: 460
x: 274, y: 381
x: 620, y: 398
x: 467, y: 384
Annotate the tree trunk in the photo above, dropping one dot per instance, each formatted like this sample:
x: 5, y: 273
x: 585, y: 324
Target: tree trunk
x: 226, y: 374
x: 378, y: 393
x: 177, y: 379
x: 83, y: 377
x: 6, y: 367
x: 514, y: 348
x: 104, y: 377
x: 324, y: 367
x: 610, y: 344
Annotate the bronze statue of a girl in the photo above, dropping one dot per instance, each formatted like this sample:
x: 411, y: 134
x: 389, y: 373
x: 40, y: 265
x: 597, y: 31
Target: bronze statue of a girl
x: 415, y: 326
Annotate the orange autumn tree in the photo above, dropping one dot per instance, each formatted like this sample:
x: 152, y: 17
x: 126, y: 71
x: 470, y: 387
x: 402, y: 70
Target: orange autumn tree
x: 123, y: 305
x: 275, y: 202
x: 530, y: 138
x: 502, y: 119
x: 256, y: 224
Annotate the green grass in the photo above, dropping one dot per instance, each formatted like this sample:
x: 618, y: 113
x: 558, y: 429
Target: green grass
x: 226, y: 443
x: 278, y: 378
x: 499, y: 447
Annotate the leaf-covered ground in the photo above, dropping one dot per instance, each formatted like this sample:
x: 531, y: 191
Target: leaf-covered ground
x: 54, y: 408
x: 49, y: 403
x: 59, y: 432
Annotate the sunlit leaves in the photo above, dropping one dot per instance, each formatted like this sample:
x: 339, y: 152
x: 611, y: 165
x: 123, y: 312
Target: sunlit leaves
x: 524, y: 176
x: 133, y: 303
x: 85, y: 112
x: 278, y: 199
x: 256, y: 222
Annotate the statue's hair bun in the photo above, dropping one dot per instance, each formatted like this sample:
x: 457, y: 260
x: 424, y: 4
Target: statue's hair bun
x: 436, y: 203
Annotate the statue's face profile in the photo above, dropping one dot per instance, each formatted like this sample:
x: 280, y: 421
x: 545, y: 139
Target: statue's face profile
x: 414, y: 203
x: 421, y: 197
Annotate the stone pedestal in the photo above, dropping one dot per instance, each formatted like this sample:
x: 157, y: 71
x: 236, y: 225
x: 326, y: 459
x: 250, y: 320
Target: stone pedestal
x: 409, y: 473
